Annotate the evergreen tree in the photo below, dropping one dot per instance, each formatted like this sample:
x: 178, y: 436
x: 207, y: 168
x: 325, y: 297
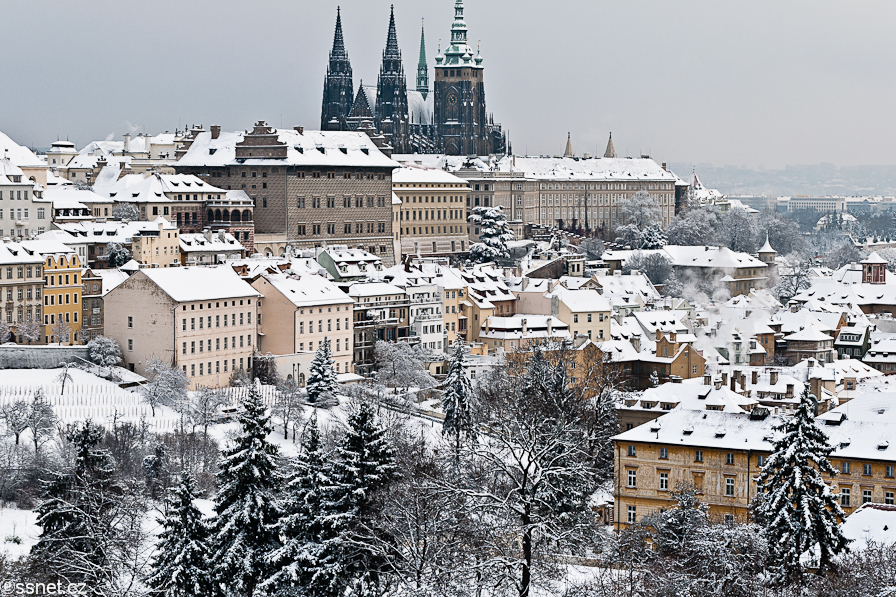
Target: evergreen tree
x: 246, y: 509
x: 304, y: 525
x: 181, y: 567
x: 456, y: 400
x: 321, y: 377
x: 653, y: 237
x: 494, y: 232
x: 797, y: 507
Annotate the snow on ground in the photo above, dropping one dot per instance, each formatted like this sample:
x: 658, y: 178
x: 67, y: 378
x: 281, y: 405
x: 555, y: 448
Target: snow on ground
x: 18, y: 531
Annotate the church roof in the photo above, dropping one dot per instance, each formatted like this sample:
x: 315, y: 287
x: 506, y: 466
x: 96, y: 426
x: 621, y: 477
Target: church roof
x: 459, y: 52
x: 767, y: 247
x: 365, y: 102
x: 392, y: 50
x: 420, y: 108
x: 338, y: 50
x: 568, y: 153
x: 611, y: 149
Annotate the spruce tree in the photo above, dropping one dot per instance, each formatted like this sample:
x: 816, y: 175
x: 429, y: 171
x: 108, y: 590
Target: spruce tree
x: 246, y: 509
x: 321, y: 377
x: 181, y: 567
x: 304, y: 524
x: 797, y: 507
x: 494, y: 233
x: 456, y: 401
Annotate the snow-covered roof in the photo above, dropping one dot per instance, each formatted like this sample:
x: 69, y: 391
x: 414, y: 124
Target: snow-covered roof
x: 188, y: 284
x: 871, y: 523
x: 808, y: 334
x: 199, y: 243
x: 582, y: 300
x: 420, y: 108
x: 308, y: 290
x: 140, y: 188
x: 368, y: 289
x: 17, y: 154
x: 112, y: 231
x: 309, y: 148
x: 559, y: 168
x: 523, y: 327
x: 413, y: 174
x: 874, y: 257
x: 690, y: 396
x: 9, y: 172
x: 112, y: 278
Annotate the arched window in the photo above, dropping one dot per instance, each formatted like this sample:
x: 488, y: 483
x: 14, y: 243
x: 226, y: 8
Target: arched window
x: 217, y: 215
x: 210, y: 215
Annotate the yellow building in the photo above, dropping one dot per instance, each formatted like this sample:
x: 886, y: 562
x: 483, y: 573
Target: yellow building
x: 62, y: 291
x: 720, y: 453
x: 433, y: 216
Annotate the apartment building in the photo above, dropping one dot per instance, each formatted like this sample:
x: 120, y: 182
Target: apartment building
x: 720, y: 453
x: 432, y: 215
x: 208, y: 247
x: 20, y: 216
x: 155, y: 243
x: 21, y: 287
x: 310, y: 188
x: 380, y: 313
x: 299, y: 312
x: 427, y: 321
x: 62, y: 288
x: 202, y: 319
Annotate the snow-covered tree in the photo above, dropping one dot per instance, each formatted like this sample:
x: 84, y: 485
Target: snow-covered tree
x: 244, y: 530
x: 402, y: 365
x: 494, y: 234
x: 4, y: 332
x: 65, y: 376
x: 798, y: 509
x: 457, y: 398
x: 305, y: 525
x: 635, y: 215
x: 694, y: 227
x: 321, y: 383
x: 41, y: 421
x: 657, y: 267
x: 288, y: 407
x: 204, y: 407
x: 15, y: 418
x: 792, y: 279
x: 653, y: 237
x: 654, y: 379
x: 783, y: 232
x: 30, y: 330
x: 61, y: 331
x: 118, y: 254
x: 739, y: 231
x: 125, y: 212
x: 181, y: 566
x: 166, y: 385
x: 104, y: 351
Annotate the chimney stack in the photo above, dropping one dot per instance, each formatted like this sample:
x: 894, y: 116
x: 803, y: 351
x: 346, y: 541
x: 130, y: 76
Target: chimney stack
x: 299, y: 129
x: 725, y: 379
x: 707, y: 380
x: 127, y: 142
x: 773, y: 377
x: 754, y: 377
x: 216, y: 130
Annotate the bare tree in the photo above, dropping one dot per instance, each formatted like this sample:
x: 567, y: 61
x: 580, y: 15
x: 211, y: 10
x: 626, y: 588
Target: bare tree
x: 41, y: 421
x: 204, y: 407
x: 288, y: 407
x: 61, y: 330
x: 64, y: 376
x: 167, y: 385
x: 125, y: 212
x: 792, y: 280
x: 30, y: 330
x: 15, y: 418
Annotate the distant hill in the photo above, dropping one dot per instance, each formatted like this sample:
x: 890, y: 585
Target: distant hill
x: 817, y: 179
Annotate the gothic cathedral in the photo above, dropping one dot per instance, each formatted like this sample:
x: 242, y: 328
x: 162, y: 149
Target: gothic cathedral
x: 450, y: 119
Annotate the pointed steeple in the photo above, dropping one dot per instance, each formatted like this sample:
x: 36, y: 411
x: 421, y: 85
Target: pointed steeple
x: 567, y: 153
x: 392, y: 50
x: 611, y: 149
x: 422, y: 68
x: 338, y: 51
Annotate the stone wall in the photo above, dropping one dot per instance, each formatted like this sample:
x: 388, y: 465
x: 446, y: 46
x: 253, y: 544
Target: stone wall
x: 39, y: 357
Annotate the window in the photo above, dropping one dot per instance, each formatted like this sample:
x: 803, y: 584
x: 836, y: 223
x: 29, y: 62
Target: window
x: 866, y: 496
x: 729, y: 486
x: 664, y: 481
x: 889, y: 471
x: 889, y: 498
x: 866, y: 470
x: 130, y: 344
x: 729, y: 458
x: 664, y: 453
x: 845, y: 494
x: 632, y: 478
x: 698, y: 456
x: 760, y: 460
x: 130, y: 322
x: 632, y: 514
x: 844, y: 468
x: 632, y: 451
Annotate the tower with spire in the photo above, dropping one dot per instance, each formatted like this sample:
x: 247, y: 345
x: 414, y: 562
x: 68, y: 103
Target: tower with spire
x: 568, y: 153
x: 611, y: 149
x: 422, y: 67
x: 392, y: 93
x: 338, y: 86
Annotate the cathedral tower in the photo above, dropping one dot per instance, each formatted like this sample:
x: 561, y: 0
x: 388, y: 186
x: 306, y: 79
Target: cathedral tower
x: 392, y: 93
x: 422, y: 67
x: 459, y: 112
x: 338, y: 87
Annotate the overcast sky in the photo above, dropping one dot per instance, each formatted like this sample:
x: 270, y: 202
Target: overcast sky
x: 762, y: 83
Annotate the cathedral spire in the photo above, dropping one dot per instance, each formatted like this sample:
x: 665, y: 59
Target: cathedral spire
x: 422, y: 68
x: 392, y: 50
x: 568, y: 153
x: 611, y: 149
x: 338, y: 50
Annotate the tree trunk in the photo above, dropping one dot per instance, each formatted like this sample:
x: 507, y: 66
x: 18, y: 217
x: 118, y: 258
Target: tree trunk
x: 527, y: 554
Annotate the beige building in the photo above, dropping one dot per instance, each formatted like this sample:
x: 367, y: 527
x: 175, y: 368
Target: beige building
x: 298, y: 313
x: 585, y: 312
x: 157, y: 246
x: 21, y: 287
x: 208, y: 247
x: 433, y: 216
x: 202, y: 319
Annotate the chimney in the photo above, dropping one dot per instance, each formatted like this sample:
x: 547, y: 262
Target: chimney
x: 773, y: 377
x: 733, y: 382
x: 725, y: 378
x: 754, y: 377
x: 147, y: 139
x: 299, y: 129
x: 743, y: 380
x: 525, y: 328
x: 550, y: 327
x: 207, y: 233
x: 718, y: 384
x: 664, y: 165
x: 707, y: 380
x: 811, y: 363
x: 789, y: 392
x: 815, y: 388
x: 216, y: 130
x: 127, y: 142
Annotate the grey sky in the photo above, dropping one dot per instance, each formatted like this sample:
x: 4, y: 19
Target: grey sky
x: 755, y: 83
